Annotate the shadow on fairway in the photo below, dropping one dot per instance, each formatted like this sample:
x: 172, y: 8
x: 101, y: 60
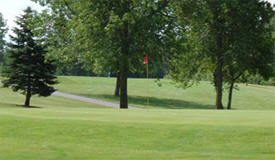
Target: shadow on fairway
x: 156, y: 102
x: 9, y: 105
x: 28, y: 107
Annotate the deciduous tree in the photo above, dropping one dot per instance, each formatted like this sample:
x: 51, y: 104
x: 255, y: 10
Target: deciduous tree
x: 121, y: 31
x: 225, y: 38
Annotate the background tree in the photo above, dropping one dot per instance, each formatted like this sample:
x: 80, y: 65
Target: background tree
x: 218, y: 39
x: 204, y: 27
x: 251, y: 43
x: 3, y: 31
x: 73, y: 58
x: 28, y: 70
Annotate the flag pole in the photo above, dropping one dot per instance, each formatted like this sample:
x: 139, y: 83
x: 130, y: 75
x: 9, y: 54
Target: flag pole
x: 147, y: 76
x: 147, y: 68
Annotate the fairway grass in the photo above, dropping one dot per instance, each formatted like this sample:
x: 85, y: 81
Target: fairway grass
x: 109, y: 134
x: 202, y: 96
x: 64, y: 129
x: 61, y: 129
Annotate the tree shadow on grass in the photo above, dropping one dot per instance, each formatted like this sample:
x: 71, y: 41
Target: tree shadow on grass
x: 29, y: 106
x: 10, y: 105
x: 156, y: 102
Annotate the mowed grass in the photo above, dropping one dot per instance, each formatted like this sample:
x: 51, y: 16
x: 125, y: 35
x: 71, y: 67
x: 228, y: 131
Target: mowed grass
x: 86, y: 132
x: 202, y: 96
x: 62, y: 129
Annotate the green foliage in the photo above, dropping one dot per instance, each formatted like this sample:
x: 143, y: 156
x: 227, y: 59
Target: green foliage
x: 3, y: 31
x: 101, y: 33
x: 269, y: 82
x: 258, y: 79
x: 251, y: 40
x: 195, y: 55
x: 28, y: 69
x: 248, y: 45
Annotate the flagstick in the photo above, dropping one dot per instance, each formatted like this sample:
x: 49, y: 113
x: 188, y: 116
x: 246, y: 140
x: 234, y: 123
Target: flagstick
x: 147, y: 68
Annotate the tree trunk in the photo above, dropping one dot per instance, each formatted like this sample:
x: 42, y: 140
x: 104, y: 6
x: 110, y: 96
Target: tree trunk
x: 219, y: 84
x: 27, y: 101
x: 218, y: 72
x: 123, y: 69
x: 117, y: 85
x: 218, y: 23
x: 28, y: 97
x: 230, y: 95
x: 123, y: 83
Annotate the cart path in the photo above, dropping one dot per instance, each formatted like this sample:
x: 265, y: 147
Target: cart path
x: 89, y: 100
x: 85, y: 99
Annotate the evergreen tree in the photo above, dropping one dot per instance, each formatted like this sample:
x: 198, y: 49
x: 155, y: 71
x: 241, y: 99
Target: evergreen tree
x: 3, y: 31
x: 28, y: 69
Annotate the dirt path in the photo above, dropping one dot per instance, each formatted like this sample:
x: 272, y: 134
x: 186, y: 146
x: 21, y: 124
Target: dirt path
x: 89, y: 100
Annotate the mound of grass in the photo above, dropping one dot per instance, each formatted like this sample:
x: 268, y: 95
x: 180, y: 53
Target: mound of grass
x: 168, y: 96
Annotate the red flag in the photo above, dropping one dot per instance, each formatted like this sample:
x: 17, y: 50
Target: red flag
x: 145, y: 59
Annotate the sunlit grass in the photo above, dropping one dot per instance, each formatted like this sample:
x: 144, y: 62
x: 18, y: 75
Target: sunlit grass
x: 168, y: 96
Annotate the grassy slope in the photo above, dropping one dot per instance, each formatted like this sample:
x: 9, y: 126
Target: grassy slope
x: 70, y: 130
x: 168, y: 96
